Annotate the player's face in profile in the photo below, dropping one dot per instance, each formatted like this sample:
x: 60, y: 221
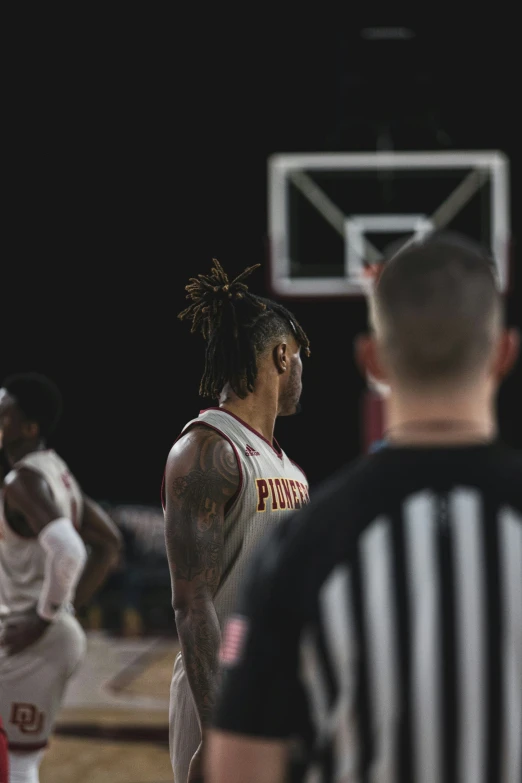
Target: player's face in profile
x: 10, y: 420
x: 5, y: 405
x: 292, y: 392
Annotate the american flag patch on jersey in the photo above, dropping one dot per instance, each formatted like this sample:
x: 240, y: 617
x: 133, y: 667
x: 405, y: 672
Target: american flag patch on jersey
x: 233, y: 640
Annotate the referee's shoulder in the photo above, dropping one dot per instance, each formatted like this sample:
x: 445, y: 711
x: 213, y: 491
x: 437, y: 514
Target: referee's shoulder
x: 504, y: 472
x: 354, y: 481
x: 337, y: 506
x: 360, y: 491
x: 508, y: 458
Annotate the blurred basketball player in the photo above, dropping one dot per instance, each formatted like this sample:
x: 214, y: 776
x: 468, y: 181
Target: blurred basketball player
x: 227, y: 481
x: 46, y: 526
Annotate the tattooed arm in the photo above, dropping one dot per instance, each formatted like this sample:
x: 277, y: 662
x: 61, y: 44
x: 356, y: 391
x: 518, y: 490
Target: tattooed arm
x: 201, y: 476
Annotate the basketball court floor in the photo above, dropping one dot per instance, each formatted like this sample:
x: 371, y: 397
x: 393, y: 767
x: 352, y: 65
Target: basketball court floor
x: 113, y: 726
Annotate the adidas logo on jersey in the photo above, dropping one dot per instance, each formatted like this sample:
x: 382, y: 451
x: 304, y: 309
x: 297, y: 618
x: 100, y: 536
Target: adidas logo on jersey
x: 250, y: 452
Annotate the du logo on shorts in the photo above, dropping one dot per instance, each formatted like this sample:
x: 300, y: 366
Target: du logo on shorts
x: 27, y: 717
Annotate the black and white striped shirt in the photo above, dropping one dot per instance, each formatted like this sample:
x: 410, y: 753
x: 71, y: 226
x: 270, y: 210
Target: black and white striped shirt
x: 383, y: 628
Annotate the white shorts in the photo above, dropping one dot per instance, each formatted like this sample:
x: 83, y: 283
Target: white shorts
x: 33, y: 683
x: 184, y: 731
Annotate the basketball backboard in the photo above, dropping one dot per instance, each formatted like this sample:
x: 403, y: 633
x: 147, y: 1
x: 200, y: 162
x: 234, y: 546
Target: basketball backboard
x: 330, y: 215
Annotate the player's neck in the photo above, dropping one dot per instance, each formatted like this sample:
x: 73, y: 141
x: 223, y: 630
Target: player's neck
x: 256, y: 410
x: 438, y: 418
x: 20, y: 449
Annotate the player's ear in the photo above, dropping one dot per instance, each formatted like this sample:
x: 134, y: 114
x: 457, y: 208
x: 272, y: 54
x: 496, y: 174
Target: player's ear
x: 368, y: 360
x: 506, y: 354
x: 281, y: 359
x: 30, y: 429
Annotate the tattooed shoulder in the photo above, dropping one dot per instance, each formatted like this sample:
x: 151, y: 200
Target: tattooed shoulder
x: 205, y: 460
x: 202, y: 478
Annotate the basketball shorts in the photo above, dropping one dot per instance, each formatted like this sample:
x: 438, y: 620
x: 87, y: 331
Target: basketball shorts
x: 184, y: 731
x: 33, y: 683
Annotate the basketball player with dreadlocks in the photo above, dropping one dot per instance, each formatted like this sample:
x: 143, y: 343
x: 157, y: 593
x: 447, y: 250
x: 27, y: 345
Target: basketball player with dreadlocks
x: 226, y: 483
x: 56, y: 548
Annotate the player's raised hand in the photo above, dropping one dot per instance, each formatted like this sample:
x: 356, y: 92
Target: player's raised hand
x: 21, y: 631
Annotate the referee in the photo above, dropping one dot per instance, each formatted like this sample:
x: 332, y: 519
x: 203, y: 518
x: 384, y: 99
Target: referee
x: 379, y: 635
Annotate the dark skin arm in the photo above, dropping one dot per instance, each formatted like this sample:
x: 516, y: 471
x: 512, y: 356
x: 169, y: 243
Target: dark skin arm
x: 27, y: 494
x: 201, y: 477
x: 104, y: 542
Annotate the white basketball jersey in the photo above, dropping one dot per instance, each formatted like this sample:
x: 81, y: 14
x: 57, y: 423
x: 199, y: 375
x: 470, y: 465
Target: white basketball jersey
x: 22, y: 559
x: 270, y: 487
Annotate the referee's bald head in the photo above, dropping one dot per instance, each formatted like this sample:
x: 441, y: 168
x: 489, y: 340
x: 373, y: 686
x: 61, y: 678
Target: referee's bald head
x: 437, y: 312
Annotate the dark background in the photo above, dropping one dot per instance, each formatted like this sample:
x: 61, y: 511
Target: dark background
x: 137, y: 151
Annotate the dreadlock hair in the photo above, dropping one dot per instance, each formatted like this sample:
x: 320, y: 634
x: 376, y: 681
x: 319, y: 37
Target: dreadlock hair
x: 237, y: 327
x: 38, y: 398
